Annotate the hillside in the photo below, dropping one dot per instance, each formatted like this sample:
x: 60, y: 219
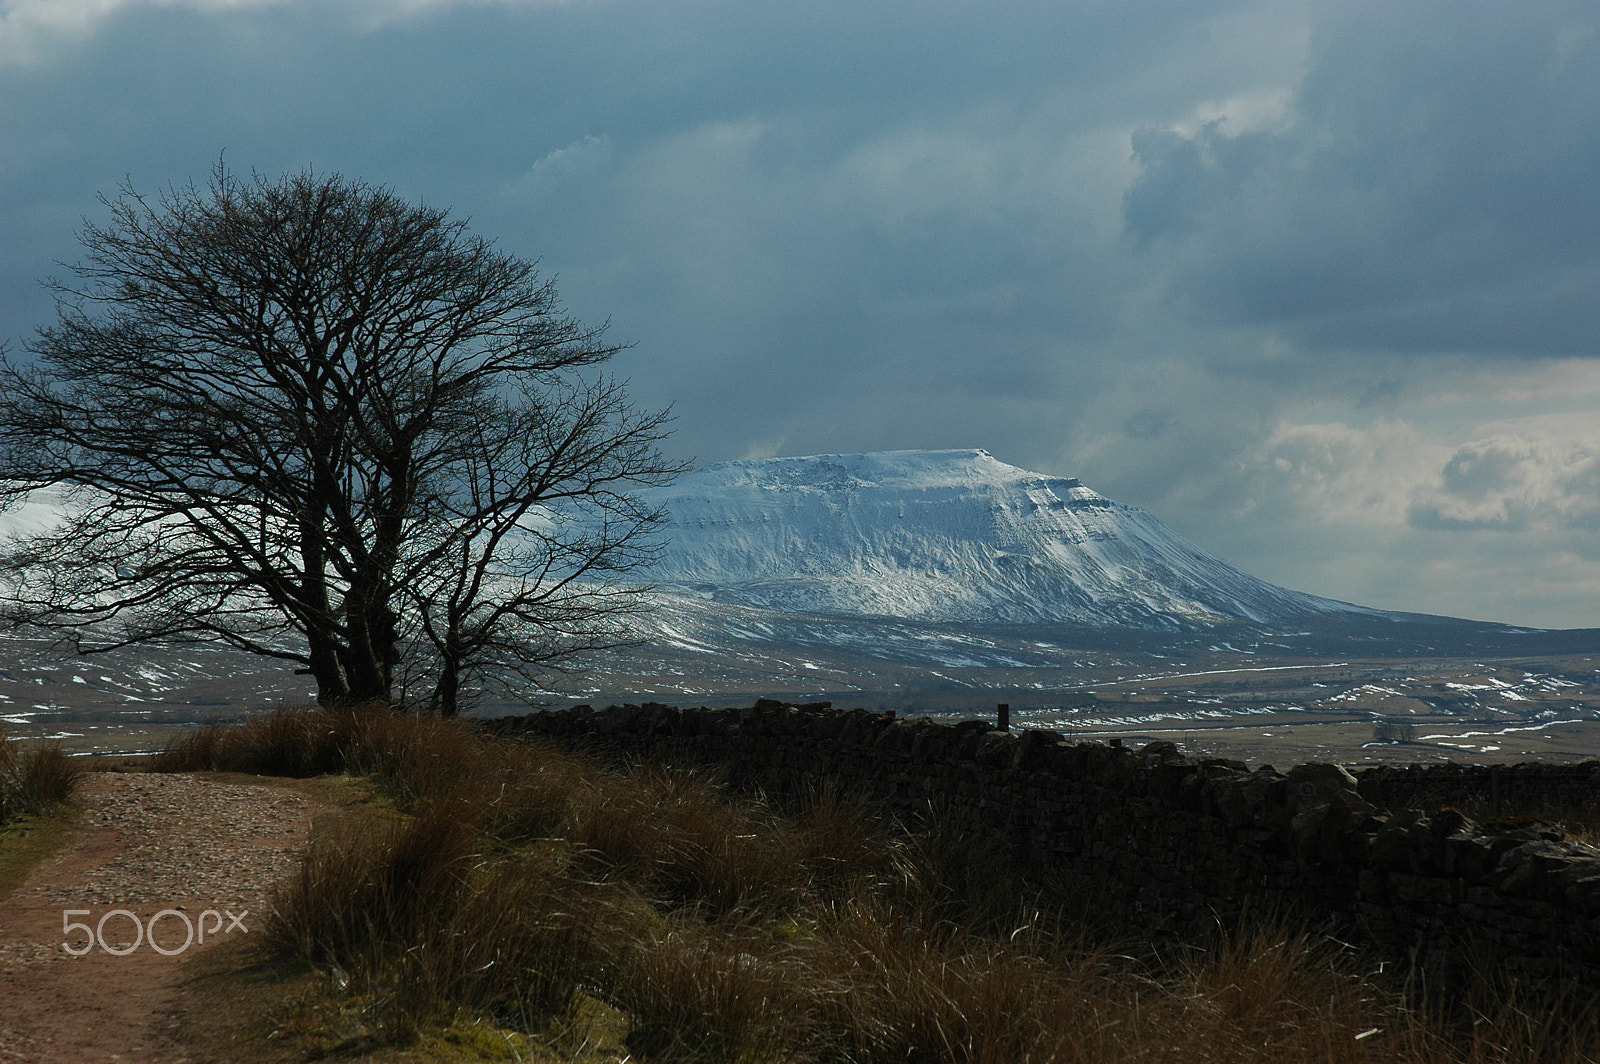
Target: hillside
x: 937, y: 536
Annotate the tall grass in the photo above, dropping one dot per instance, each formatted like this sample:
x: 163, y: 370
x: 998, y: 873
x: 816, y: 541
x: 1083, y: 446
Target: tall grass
x: 525, y: 881
x: 414, y: 758
x: 34, y: 777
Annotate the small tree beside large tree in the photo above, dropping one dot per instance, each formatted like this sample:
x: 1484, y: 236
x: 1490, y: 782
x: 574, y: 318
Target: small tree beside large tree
x: 317, y: 422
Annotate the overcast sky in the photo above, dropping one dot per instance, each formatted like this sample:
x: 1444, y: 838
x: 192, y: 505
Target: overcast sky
x: 1316, y: 284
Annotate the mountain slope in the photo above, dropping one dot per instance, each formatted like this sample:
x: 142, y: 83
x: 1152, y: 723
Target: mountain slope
x: 946, y: 536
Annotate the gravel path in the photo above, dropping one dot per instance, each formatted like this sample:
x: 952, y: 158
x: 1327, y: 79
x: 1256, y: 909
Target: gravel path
x: 181, y: 845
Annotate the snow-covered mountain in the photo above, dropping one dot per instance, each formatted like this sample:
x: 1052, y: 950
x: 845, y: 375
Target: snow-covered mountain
x: 946, y: 536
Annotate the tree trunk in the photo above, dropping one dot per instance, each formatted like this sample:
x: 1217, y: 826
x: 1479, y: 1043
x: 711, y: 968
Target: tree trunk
x: 447, y: 693
x: 331, y: 688
x: 321, y: 644
x: 368, y: 680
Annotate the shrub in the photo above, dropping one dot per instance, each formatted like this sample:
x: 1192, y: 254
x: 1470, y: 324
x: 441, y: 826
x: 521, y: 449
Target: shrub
x: 904, y: 985
x: 416, y: 759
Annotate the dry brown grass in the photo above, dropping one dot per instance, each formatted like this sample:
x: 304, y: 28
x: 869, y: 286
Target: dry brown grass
x: 414, y: 758
x: 291, y: 741
x: 421, y: 921
x: 525, y: 882
x: 34, y: 777
x: 724, y: 992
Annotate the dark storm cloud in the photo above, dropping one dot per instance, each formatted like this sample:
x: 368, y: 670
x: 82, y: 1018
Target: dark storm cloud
x: 1431, y: 188
x: 1174, y: 247
x: 796, y: 211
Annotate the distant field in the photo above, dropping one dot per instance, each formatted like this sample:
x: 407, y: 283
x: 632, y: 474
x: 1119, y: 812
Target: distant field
x: 1259, y: 703
x: 1259, y: 708
x: 1283, y: 740
x: 1426, y: 710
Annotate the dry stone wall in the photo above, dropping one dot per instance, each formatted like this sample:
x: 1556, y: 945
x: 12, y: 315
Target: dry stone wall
x: 1489, y: 790
x: 1182, y: 845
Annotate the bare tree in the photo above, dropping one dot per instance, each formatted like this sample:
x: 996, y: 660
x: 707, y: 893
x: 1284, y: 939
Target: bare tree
x: 317, y: 422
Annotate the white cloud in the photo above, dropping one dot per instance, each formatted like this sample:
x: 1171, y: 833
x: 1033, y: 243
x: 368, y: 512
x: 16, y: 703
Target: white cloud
x: 1336, y: 473
x: 30, y: 29
x: 1514, y: 484
x: 584, y: 160
x: 1425, y: 189
x: 1535, y: 474
x: 1268, y: 108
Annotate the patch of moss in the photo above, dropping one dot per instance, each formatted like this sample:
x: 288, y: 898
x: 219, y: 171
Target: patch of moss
x: 482, y: 1041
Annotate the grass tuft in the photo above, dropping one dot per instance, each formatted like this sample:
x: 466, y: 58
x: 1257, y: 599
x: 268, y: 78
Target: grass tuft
x: 35, y: 777
x: 291, y: 741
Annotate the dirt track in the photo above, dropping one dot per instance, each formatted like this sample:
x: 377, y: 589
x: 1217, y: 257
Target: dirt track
x: 146, y: 844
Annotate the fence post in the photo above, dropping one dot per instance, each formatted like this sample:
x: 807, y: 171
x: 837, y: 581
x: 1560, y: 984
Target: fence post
x: 1004, y: 715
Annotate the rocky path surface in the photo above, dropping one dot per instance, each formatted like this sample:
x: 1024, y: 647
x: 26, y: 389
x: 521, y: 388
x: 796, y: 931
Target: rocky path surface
x: 159, y: 862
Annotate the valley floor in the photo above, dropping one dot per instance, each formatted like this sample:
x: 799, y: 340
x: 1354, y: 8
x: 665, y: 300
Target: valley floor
x: 1280, y: 701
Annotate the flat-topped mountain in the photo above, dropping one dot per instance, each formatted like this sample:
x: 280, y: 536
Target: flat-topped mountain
x: 947, y: 536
